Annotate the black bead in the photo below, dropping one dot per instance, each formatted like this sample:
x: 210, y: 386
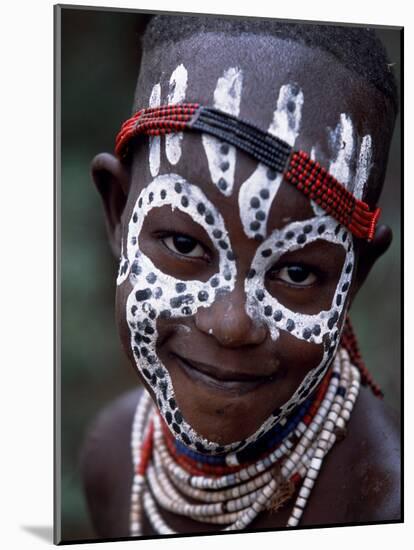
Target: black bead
x: 316, y: 330
x: 209, y: 219
x: 332, y: 320
x: 178, y: 187
x: 184, y: 201
x: 214, y: 282
x: 230, y: 255
x: 160, y: 372
x: 339, y: 300
x: 289, y: 235
x: 203, y: 296
x: 201, y: 208
x: 264, y: 193
x: 152, y: 314
x: 307, y: 228
x: 185, y: 438
x: 223, y: 245
x: 146, y: 373
x: 135, y: 217
x: 290, y: 325
x: 141, y: 295
x: 254, y: 202
x: 278, y: 315
x: 259, y: 294
x: 163, y: 194
x: 217, y: 234
x: 180, y: 287
x: 222, y: 183
x: 172, y: 403
x: 348, y: 268
x: 271, y: 174
x: 224, y: 149
x: 345, y: 287
x: 260, y: 216
x: 157, y: 292
x: 178, y: 417
x: 254, y: 226
x: 179, y: 301
x: 136, y: 270
x: 301, y: 239
x: 224, y: 166
x: 279, y: 244
x: 266, y: 252
x: 186, y: 311
x: 307, y: 333
x: 168, y: 417
x: 268, y: 311
x: 151, y: 278
x: 321, y: 229
x: 251, y: 273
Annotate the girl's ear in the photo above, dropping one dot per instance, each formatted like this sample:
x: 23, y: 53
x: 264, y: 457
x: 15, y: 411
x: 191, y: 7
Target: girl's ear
x: 112, y: 179
x: 368, y: 254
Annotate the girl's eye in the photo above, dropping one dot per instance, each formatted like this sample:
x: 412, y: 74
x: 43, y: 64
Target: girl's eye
x: 294, y: 275
x: 184, y: 246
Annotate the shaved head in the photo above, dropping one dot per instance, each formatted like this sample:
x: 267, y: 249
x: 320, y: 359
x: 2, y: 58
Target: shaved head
x: 264, y: 65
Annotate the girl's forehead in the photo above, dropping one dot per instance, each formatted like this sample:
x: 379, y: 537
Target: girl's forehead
x: 264, y: 64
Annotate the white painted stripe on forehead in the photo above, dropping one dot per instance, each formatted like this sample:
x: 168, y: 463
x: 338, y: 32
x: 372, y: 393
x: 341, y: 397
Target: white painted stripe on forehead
x: 288, y: 115
x: 342, y: 141
x: 176, y: 94
x: 221, y: 157
x: 258, y: 192
x: 364, y: 167
x: 155, y: 141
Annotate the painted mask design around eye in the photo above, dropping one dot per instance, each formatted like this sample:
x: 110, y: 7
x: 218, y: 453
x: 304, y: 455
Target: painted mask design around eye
x: 320, y: 328
x: 158, y: 295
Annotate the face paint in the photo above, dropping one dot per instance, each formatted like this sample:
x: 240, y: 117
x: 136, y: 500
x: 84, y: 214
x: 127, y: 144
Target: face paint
x: 320, y: 328
x: 342, y: 141
x: 155, y: 141
x: 257, y: 192
x: 364, y: 167
x: 221, y: 156
x: 178, y: 87
x: 158, y: 295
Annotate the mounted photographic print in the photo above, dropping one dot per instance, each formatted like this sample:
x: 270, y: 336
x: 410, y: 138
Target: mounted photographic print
x: 228, y: 318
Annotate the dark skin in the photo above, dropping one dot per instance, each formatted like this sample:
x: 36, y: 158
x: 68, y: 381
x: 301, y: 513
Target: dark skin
x: 360, y: 480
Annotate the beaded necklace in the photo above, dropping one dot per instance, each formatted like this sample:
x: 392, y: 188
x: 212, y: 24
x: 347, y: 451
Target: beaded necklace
x: 234, y: 492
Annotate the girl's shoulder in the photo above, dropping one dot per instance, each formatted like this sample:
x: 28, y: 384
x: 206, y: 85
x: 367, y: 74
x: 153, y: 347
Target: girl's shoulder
x: 362, y: 475
x: 106, y: 469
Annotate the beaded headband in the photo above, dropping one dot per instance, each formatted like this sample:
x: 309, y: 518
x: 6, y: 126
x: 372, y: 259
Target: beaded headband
x: 297, y: 167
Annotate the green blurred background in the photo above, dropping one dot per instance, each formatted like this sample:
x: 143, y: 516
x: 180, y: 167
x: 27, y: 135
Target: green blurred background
x: 99, y: 65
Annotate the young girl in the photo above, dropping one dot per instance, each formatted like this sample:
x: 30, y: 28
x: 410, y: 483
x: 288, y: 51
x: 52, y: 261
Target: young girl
x: 241, y: 200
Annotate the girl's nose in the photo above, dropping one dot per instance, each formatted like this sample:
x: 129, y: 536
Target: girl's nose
x: 227, y: 320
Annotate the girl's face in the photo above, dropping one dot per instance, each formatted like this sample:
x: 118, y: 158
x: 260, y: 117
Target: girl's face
x: 233, y: 287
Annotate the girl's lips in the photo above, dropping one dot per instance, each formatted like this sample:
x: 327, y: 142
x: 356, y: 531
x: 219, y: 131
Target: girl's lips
x: 229, y: 382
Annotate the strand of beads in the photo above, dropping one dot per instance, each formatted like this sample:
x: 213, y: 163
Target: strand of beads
x: 140, y: 454
x: 232, y: 500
